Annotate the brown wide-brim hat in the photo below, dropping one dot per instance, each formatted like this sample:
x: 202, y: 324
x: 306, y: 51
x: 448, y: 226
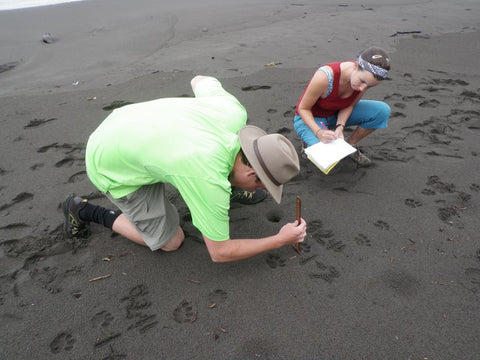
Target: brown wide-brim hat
x: 272, y: 156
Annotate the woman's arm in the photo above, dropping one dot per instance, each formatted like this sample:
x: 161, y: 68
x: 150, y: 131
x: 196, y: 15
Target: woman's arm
x: 344, y: 114
x: 317, y: 88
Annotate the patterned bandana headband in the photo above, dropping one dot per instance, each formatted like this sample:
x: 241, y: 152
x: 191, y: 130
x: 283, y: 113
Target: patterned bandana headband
x: 374, y: 69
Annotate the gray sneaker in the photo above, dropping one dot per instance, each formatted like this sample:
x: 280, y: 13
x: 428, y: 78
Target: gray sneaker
x: 360, y: 158
x: 302, y: 151
x: 247, y: 197
x: 74, y: 226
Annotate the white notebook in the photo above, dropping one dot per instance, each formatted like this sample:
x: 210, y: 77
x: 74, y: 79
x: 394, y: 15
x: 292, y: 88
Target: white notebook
x: 326, y: 156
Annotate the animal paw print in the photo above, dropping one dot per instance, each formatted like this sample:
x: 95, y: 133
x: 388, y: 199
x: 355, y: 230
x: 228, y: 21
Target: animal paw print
x: 328, y: 272
x: 304, y: 247
x: 429, y: 103
x: 335, y: 245
x: 137, y: 302
x: 185, y: 312
x: 289, y: 113
x: 304, y: 260
x: 428, y: 192
x: 397, y: 114
x: 475, y: 187
x: 413, y: 203
x: 216, y: 297
x: 46, y: 278
x: 274, y: 261
x: 446, y: 213
x: 382, y: 225
x: 473, y: 279
x: 102, y: 319
x: 284, y: 130
x: 434, y: 181
x: 63, y: 342
x: 314, y: 225
x: 362, y: 239
x: 463, y: 196
x: 321, y: 235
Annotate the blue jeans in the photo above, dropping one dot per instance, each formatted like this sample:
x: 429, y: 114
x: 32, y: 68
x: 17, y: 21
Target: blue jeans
x: 368, y: 114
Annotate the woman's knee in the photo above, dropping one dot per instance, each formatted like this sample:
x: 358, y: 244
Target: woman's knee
x: 370, y: 114
x: 384, y: 110
x: 380, y: 113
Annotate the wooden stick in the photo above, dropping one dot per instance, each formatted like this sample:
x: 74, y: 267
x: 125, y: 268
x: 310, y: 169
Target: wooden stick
x: 299, y: 209
x: 299, y: 216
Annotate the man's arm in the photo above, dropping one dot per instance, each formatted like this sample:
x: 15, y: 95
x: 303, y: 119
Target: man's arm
x: 237, y: 249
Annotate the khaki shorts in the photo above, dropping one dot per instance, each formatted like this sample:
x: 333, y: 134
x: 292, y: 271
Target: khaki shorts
x: 148, y: 208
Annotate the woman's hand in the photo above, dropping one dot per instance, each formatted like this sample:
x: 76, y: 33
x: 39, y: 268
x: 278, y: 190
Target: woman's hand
x: 326, y: 136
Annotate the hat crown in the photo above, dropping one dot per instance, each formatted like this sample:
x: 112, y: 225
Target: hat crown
x: 279, y: 158
x: 272, y: 156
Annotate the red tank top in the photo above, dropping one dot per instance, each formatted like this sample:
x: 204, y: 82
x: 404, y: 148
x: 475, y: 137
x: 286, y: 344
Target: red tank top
x: 332, y: 103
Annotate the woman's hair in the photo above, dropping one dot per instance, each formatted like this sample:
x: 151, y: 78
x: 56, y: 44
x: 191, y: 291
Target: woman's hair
x: 377, y: 57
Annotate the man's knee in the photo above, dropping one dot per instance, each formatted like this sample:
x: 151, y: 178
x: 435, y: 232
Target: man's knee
x: 176, y: 242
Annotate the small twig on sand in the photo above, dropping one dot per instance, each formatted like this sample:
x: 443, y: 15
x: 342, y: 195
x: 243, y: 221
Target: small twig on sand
x: 100, y: 342
x: 100, y: 277
x: 194, y: 281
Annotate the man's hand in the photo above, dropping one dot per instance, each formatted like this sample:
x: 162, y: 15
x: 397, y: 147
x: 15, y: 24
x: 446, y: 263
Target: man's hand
x: 293, y: 233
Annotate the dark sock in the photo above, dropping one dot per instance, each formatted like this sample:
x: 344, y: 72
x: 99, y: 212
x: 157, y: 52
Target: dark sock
x: 99, y: 215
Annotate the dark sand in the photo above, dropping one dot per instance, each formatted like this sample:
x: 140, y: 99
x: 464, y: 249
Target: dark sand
x: 392, y: 257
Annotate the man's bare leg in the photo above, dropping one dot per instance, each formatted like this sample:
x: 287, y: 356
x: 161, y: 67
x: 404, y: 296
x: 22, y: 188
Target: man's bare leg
x: 124, y: 227
x: 176, y: 241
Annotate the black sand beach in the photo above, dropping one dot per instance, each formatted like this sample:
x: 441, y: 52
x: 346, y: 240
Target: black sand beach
x: 391, y: 266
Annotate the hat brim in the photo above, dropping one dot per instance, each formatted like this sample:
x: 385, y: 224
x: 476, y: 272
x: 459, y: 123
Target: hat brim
x: 247, y: 135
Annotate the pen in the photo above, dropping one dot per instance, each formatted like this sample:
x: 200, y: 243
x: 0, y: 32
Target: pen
x: 322, y: 125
